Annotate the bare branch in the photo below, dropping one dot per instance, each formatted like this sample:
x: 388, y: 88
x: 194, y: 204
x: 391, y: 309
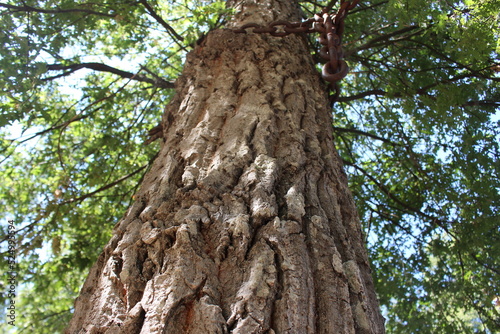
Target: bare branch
x: 157, y: 82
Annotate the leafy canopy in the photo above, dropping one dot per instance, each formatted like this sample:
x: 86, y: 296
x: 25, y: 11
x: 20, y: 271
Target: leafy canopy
x: 417, y: 126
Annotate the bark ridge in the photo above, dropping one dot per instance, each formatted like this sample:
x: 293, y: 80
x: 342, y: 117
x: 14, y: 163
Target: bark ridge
x: 245, y: 223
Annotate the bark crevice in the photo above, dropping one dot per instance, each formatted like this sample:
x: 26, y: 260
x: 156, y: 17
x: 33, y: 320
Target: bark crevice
x: 244, y: 224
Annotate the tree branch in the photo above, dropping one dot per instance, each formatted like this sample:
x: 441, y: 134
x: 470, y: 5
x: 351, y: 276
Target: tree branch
x: 383, y: 38
x: 31, y: 9
x: 472, y: 74
x: 390, y: 218
x: 424, y: 90
x: 405, y: 206
x: 158, y: 82
x: 487, y: 103
x: 109, y: 185
x: 330, y: 5
x: 361, y: 6
x: 160, y: 20
x: 367, y: 134
x: 376, y: 92
x: 460, y: 65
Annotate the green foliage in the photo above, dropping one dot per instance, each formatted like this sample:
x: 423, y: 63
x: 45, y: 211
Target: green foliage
x: 419, y: 133
x: 417, y: 126
x: 73, y: 155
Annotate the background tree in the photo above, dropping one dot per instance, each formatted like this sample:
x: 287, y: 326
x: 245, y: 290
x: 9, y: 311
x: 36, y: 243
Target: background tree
x: 417, y: 129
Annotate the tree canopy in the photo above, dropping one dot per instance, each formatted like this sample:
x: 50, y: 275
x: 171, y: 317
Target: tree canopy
x: 417, y: 125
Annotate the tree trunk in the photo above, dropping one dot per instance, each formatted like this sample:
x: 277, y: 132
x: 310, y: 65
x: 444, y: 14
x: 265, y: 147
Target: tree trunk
x: 245, y: 223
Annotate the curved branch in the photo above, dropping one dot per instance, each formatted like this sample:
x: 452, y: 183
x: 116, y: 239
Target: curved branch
x: 31, y: 9
x: 158, y: 82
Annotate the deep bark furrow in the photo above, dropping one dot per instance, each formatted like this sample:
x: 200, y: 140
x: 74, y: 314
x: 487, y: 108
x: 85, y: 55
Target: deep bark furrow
x: 244, y: 223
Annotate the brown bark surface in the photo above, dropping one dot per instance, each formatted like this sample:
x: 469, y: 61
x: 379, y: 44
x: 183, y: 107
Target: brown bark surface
x: 245, y: 223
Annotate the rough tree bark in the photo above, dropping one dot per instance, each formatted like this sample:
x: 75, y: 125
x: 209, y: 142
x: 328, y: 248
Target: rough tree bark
x: 245, y: 223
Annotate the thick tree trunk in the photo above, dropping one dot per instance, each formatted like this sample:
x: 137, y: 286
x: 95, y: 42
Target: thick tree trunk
x: 245, y: 223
